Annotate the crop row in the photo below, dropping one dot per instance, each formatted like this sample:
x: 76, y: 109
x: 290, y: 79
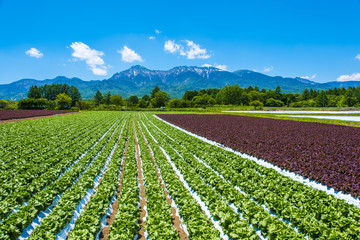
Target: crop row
x: 73, y: 199
x: 125, y: 225
x: 194, y: 219
x: 159, y: 217
x: 21, y: 182
x: 14, y: 225
x: 329, y: 154
x: 89, y: 223
x: 312, y: 211
x: 35, y: 156
x: 13, y: 114
x: 23, y: 193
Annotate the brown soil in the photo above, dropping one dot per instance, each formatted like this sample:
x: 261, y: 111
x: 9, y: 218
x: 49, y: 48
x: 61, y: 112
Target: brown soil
x: 176, y: 220
x: 29, y: 118
x: 141, y: 234
x: 110, y: 218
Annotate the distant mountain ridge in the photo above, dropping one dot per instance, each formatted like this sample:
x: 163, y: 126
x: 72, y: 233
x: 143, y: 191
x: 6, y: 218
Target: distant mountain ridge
x: 139, y: 81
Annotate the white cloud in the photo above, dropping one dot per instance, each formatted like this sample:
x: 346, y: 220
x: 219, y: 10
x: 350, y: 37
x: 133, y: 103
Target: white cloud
x: 157, y: 31
x: 190, y: 51
x: 92, y: 57
x: 171, y: 47
x: 221, y: 67
x: 129, y: 55
x: 152, y: 38
x: 99, y: 70
x: 268, y: 69
x: 194, y: 51
x: 309, y: 77
x: 358, y: 57
x: 352, y: 77
x: 33, y: 52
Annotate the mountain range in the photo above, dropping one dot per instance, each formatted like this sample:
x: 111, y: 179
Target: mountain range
x: 139, y: 81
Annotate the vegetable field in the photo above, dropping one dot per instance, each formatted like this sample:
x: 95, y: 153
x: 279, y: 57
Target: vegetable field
x: 329, y: 154
x: 15, y: 114
x: 116, y: 175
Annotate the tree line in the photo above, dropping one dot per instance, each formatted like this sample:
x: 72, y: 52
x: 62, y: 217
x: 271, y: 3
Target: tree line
x: 253, y: 96
x: 55, y: 96
x: 63, y: 96
x: 235, y: 95
x: 156, y: 99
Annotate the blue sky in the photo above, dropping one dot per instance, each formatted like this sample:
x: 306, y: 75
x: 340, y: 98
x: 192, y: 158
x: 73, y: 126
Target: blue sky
x: 317, y: 39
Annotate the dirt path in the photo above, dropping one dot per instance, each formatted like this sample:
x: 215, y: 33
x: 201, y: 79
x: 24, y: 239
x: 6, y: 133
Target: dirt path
x: 141, y: 234
x: 110, y: 218
x: 29, y: 118
x: 176, y: 219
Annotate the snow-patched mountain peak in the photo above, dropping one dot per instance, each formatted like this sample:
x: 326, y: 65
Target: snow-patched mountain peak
x: 133, y: 72
x: 202, y: 71
x: 138, y: 70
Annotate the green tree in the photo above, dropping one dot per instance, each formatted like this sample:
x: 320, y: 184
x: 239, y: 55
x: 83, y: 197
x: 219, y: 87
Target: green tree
x: 142, y: 103
x: 132, y: 101
x: 154, y: 91
x: 341, y: 101
x: 211, y: 101
x: 160, y: 99
x: 230, y: 94
x: 244, y: 98
x: 34, y: 92
x: 290, y: 98
x: 351, y: 101
x: 84, y: 105
x: 107, y: 97
x: 203, y: 100
x: 174, y: 103
x: 278, y: 90
x: 321, y: 99
x: 184, y: 104
x: 74, y: 94
x: 32, y: 103
x: 271, y: 102
x: 189, y: 95
x: 350, y: 98
x: 49, y: 92
x: 256, y: 104
x: 63, y: 100
x: 305, y: 95
x: 146, y: 98
x: 98, y: 98
x: 116, y: 99
x: 3, y: 103
x: 50, y: 104
x: 254, y: 95
x: 199, y: 101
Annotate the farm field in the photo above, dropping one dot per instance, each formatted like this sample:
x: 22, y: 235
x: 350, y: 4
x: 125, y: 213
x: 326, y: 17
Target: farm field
x: 125, y: 175
x: 16, y: 114
x: 325, y: 153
